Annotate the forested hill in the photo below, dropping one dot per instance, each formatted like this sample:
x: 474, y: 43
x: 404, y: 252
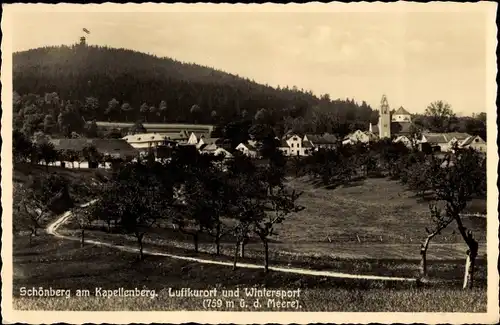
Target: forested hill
x: 157, y: 89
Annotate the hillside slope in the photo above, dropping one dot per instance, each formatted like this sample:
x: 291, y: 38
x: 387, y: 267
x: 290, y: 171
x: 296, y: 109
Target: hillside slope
x: 143, y: 81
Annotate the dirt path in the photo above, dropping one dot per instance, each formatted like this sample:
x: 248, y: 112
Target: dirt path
x: 52, y: 230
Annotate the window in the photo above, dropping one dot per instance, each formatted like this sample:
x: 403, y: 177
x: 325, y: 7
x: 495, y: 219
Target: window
x: 477, y: 140
x: 293, y: 144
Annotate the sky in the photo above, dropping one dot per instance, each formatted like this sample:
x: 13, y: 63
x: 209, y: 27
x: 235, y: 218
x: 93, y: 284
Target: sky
x: 414, y: 58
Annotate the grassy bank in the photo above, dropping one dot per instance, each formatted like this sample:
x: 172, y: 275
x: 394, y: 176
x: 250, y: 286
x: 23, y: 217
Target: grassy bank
x: 62, y: 264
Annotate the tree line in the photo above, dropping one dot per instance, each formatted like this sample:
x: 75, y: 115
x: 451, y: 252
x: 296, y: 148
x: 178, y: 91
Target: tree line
x: 198, y: 194
x: 204, y: 195
x: 124, y: 85
x: 449, y: 181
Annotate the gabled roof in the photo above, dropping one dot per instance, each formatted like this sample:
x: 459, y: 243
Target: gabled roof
x: 103, y: 146
x: 322, y: 139
x: 400, y: 127
x: 249, y: 146
x: 209, y: 147
x: 307, y: 144
x: 284, y: 144
x: 470, y: 139
x: 210, y: 140
x: 401, y: 111
x: 143, y: 137
x: 445, y: 137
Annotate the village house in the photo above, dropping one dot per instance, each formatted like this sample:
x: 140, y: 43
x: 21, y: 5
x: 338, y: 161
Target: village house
x: 474, y: 142
x: 317, y: 141
x: 359, y: 136
x: 443, y: 141
x: 249, y: 149
x: 113, y: 148
x: 293, y: 145
x: 405, y: 140
x: 144, y: 142
x: 162, y: 128
x: 195, y: 137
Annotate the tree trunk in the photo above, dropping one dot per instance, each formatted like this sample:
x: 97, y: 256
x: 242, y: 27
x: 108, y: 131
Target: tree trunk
x: 423, y: 261
x: 217, y: 239
x: 83, y: 237
x: 423, y: 255
x: 266, y: 255
x: 244, y: 242
x: 470, y: 263
x: 139, y: 241
x: 195, y: 240
x: 236, y: 249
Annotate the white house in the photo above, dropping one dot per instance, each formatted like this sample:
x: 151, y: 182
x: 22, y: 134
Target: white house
x: 248, y: 149
x: 215, y: 150
x: 444, y: 141
x: 293, y: 145
x: 144, y: 141
x: 359, y: 136
x: 206, y: 141
x: 475, y: 142
x: 321, y: 141
x: 195, y: 138
x: 405, y: 140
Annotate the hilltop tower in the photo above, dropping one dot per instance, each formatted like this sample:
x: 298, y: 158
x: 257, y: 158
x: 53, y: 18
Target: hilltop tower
x: 83, y: 41
x: 384, y: 120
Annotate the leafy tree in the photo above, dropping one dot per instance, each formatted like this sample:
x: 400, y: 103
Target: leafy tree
x: 163, y: 110
x: 22, y: 147
x: 126, y: 108
x: 30, y: 209
x: 439, y: 115
x: 47, y: 153
x: 144, y: 110
x: 112, y: 108
x: 143, y: 197
x: 455, y: 181
x: 91, y: 107
x: 138, y: 127
x: 282, y: 202
x: 84, y: 217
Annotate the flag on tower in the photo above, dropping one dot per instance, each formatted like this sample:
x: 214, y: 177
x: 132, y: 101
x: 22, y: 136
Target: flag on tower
x: 86, y: 30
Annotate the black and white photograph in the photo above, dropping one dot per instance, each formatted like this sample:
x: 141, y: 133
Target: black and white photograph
x: 249, y: 163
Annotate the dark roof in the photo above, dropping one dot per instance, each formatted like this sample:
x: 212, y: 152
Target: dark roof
x: 211, y: 141
x: 307, y: 144
x: 322, y: 139
x: 470, y: 139
x: 401, y: 111
x: 103, y: 146
x: 284, y: 144
x: 400, y: 127
x: 445, y: 137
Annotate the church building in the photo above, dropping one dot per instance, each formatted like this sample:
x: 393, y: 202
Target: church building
x: 395, y: 124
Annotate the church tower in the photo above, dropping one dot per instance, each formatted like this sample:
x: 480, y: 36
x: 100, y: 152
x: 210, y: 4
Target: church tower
x: 384, y: 120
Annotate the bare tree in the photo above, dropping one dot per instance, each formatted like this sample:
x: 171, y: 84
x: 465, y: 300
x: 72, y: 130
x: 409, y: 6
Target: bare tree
x: 439, y: 222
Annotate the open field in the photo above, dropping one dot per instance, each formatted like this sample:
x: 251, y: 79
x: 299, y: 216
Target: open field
x: 377, y: 210
x: 61, y: 264
x: 377, y: 219
x: 64, y: 264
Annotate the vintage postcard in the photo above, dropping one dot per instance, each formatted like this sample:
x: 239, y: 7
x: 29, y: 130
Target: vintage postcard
x: 263, y: 163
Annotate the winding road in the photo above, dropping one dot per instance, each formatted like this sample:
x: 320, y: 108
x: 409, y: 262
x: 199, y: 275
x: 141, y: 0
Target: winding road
x: 52, y: 230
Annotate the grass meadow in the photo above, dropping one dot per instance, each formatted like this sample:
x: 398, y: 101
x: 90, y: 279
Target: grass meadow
x: 373, y: 227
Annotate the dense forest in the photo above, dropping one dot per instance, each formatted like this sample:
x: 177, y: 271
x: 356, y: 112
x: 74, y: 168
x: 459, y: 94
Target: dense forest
x: 57, y: 90
x: 122, y: 85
